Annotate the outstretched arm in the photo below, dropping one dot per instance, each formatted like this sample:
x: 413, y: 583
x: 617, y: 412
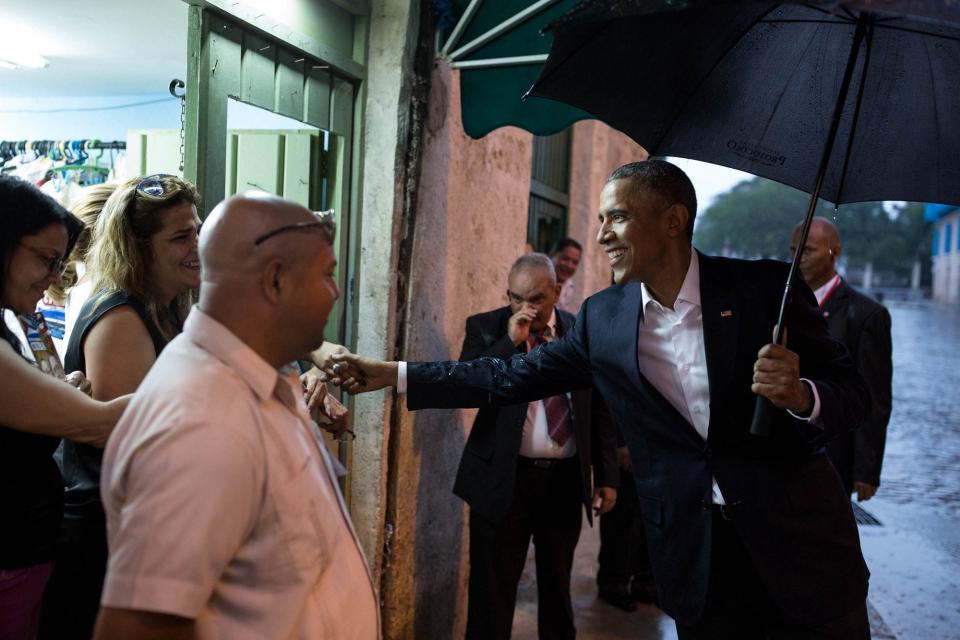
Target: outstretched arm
x: 34, y: 402
x: 551, y: 369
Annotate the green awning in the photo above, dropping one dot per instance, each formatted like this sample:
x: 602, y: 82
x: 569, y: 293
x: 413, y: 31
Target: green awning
x: 499, y: 50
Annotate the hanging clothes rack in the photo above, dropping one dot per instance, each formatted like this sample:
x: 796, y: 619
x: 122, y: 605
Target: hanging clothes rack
x: 57, y: 149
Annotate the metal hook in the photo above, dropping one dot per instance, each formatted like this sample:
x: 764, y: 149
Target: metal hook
x: 177, y: 84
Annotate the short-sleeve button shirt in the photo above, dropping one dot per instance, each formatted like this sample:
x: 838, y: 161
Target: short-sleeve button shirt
x: 221, y: 504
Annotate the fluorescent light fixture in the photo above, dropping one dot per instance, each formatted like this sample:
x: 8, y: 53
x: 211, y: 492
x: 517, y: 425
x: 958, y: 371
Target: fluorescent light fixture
x: 21, y: 44
x: 12, y: 59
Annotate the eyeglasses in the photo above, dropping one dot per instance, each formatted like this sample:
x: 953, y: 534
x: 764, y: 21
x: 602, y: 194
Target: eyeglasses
x: 55, y: 265
x: 153, y: 186
x: 324, y: 220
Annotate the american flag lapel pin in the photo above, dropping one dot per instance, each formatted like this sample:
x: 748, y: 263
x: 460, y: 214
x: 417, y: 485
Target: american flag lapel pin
x: 726, y: 314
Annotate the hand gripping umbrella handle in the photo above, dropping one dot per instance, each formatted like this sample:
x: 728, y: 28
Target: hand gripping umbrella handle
x: 764, y: 411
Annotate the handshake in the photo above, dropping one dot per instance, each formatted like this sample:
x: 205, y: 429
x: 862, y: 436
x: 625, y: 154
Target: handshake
x: 335, y: 365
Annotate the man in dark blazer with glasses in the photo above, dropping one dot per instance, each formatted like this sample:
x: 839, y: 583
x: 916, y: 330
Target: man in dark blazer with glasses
x: 522, y: 474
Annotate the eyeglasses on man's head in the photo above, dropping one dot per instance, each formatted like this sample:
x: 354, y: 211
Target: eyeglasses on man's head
x: 324, y: 221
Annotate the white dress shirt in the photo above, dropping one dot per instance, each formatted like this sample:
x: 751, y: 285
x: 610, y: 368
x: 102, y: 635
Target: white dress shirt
x: 536, y: 441
x: 671, y: 353
x: 567, y: 292
x: 221, y: 505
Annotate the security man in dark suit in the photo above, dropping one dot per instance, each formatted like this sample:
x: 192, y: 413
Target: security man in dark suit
x: 526, y: 468
x: 863, y: 326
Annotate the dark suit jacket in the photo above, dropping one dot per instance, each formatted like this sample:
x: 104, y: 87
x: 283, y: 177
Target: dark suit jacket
x: 485, y: 479
x: 863, y: 325
x: 792, y: 514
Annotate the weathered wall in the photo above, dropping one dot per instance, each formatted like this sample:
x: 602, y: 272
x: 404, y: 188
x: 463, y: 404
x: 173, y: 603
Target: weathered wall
x: 596, y: 151
x: 385, y: 107
x: 471, y: 220
x: 470, y: 226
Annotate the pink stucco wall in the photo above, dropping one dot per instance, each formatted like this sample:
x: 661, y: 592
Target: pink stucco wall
x: 470, y: 225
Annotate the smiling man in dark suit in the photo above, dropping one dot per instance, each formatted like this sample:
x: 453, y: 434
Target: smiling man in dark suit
x: 749, y: 537
x: 863, y: 326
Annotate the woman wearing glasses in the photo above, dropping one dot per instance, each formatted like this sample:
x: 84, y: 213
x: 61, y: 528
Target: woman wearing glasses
x: 36, y: 410
x: 145, y: 268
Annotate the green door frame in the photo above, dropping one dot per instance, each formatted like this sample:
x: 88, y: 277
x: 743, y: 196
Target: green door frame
x: 228, y: 57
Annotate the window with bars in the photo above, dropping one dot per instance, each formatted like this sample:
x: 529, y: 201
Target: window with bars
x: 549, y: 190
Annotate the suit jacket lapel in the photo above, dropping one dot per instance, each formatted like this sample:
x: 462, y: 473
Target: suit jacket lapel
x: 630, y: 315
x: 835, y: 311
x: 720, y: 306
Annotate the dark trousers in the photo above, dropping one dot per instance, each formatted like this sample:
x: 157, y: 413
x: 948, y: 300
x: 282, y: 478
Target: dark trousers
x: 72, y: 598
x: 623, y: 542
x: 546, y: 507
x: 739, y: 607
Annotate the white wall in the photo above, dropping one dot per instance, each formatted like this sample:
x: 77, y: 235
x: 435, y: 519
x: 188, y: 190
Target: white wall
x: 946, y: 266
x: 102, y: 117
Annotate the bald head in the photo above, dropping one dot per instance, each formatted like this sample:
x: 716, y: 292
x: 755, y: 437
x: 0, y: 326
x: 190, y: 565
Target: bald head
x: 818, y: 262
x: 227, y: 239
x: 268, y: 262
x: 821, y: 227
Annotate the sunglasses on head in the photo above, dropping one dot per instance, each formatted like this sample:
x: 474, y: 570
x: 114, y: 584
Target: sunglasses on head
x: 153, y: 186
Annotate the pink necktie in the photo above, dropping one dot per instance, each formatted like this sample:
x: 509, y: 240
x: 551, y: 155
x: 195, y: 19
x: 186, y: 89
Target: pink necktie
x: 557, y: 408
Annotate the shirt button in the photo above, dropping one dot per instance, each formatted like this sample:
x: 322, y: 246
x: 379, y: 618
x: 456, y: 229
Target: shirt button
x: 697, y: 410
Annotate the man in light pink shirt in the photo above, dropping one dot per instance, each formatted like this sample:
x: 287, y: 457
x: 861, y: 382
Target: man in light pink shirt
x: 223, y: 514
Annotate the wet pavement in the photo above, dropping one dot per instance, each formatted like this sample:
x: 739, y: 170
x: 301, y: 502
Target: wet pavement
x: 913, y: 554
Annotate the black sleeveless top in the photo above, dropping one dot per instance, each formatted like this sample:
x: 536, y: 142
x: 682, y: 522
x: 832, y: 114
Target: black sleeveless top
x: 80, y: 463
x: 32, y: 507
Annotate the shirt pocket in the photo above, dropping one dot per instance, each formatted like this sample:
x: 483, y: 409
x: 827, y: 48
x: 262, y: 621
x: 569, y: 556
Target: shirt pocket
x: 297, y: 502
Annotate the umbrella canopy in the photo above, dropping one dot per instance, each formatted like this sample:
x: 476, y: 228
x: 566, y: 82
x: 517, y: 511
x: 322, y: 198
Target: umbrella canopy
x: 866, y: 90
x: 850, y: 100
x: 499, y: 47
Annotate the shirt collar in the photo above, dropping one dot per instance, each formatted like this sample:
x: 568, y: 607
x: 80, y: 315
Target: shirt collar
x: 689, y: 290
x: 821, y: 292
x: 218, y: 341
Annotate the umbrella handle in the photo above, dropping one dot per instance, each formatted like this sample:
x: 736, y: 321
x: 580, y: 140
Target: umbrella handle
x: 762, y: 418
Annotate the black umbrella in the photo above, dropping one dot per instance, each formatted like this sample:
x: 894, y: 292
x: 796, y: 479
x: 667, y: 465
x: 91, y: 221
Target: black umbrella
x: 850, y: 100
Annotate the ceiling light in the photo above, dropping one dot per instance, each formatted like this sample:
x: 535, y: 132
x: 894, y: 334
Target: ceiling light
x: 28, y: 59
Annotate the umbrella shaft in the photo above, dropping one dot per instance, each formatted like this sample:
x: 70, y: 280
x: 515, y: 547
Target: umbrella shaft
x: 763, y: 413
x: 863, y: 21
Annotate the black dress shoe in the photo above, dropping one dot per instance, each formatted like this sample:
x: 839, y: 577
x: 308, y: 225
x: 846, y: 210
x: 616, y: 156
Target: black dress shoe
x: 619, y: 596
